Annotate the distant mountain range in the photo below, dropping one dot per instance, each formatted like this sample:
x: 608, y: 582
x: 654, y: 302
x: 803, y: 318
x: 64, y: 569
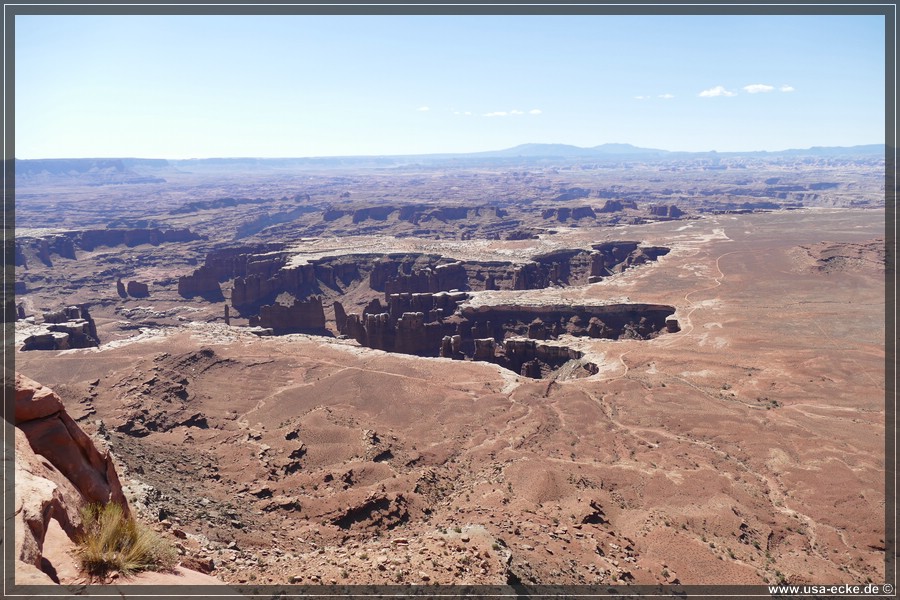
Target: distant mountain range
x: 138, y: 170
x: 550, y: 150
x: 566, y: 150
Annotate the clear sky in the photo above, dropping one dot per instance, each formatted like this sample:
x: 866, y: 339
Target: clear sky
x: 294, y: 86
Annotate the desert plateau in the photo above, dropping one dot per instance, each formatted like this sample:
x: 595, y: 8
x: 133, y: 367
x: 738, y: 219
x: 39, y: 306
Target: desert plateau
x: 602, y: 367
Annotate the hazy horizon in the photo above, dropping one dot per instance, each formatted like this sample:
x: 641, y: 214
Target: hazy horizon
x: 248, y: 157
x: 180, y: 87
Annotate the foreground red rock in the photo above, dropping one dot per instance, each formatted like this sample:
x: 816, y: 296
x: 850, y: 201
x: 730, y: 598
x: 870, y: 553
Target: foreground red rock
x: 53, y: 434
x: 58, y: 471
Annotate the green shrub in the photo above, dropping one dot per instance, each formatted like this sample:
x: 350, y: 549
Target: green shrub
x: 114, y: 542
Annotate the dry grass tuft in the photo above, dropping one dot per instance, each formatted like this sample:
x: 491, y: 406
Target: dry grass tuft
x: 114, y: 543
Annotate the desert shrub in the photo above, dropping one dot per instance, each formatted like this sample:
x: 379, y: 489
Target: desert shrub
x: 113, y: 542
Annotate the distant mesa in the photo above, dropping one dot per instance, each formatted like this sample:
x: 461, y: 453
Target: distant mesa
x: 118, y: 171
x: 575, y: 213
x: 667, y: 212
x: 575, y: 193
x: 616, y: 206
x: 65, y: 244
x: 88, y: 171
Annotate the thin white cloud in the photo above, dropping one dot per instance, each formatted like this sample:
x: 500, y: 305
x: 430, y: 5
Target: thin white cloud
x: 758, y: 88
x: 666, y: 96
x: 468, y: 113
x: 786, y: 88
x: 510, y: 113
x: 641, y: 97
x: 716, y: 91
x: 423, y: 109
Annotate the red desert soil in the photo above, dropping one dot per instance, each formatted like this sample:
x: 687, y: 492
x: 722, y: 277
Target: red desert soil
x: 746, y: 448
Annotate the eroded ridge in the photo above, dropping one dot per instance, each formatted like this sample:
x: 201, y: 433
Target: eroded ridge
x: 260, y: 273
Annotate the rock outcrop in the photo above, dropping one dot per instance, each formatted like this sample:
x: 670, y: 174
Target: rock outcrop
x: 65, y: 244
x: 668, y: 212
x: 306, y: 316
x: 58, y: 470
x: 563, y: 214
x: 202, y: 282
x: 611, y: 206
x: 71, y: 327
x: 136, y: 289
x: 437, y: 325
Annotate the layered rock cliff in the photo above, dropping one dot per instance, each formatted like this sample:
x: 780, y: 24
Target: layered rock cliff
x: 58, y: 471
x: 440, y: 325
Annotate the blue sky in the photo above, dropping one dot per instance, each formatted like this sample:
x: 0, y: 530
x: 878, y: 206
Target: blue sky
x: 279, y: 86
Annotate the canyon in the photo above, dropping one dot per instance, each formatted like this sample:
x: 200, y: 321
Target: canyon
x: 512, y: 372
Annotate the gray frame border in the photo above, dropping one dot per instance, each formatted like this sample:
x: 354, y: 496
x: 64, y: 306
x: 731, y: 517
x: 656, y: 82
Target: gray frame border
x: 452, y: 7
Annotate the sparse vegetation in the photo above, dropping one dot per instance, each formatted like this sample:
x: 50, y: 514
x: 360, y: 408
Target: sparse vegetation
x: 112, y: 542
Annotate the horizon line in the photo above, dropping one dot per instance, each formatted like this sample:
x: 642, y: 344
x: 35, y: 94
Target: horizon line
x: 451, y: 154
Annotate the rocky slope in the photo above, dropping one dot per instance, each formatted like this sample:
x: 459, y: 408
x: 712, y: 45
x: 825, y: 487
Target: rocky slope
x: 58, y: 470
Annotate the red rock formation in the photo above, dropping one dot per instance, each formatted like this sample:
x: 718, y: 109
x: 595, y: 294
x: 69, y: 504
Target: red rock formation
x: 71, y: 473
x: 58, y: 471
x: 565, y: 213
x: 301, y: 316
x: 137, y: 289
x: 340, y: 317
x: 93, y: 238
x: 71, y: 327
x: 668, y: 212
x: 202, y: 282
x: 53, y: 434
x: 611, y: 206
